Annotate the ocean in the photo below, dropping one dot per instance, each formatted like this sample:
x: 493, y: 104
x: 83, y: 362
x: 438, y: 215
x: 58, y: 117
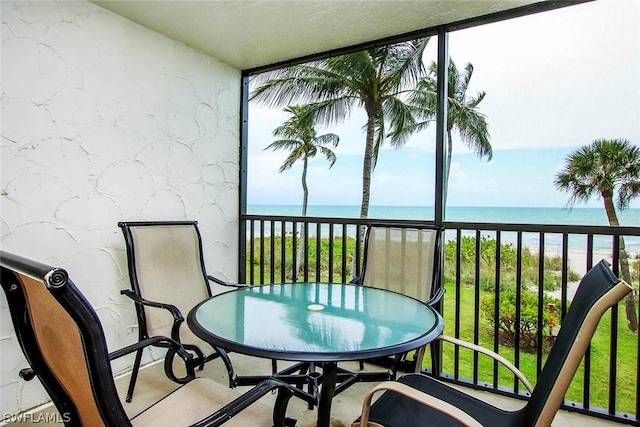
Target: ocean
x: 562, y: 216
x: 513, y: 215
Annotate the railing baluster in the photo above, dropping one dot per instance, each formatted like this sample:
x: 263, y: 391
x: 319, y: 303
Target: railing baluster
x: 294, y: 252
x: 541, y: 307
x: 272, y: 263
x: 261, y: 251
x: 305, y: 248
x: 358, y: 255
x: 516, y: 384
x: 252, y: 252
x: 330, y: 266
x: 613, y: 358
x: 638, y: 354
x: 318, y: 251
x: 456, y: 352
x: 565, y: 274
x: 476, y: 308
x: 283, y: 251
x: 586, y: 395
x: 344, y: 252
x: 496, y: 326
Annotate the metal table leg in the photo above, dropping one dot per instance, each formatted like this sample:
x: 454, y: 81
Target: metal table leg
x: 328, y: 388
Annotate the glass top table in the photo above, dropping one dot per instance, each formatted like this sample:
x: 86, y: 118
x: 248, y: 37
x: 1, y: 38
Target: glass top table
x: 315, y: 322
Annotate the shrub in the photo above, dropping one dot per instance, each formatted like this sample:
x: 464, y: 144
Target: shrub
x: 506, y: 318
x: 529, y: 271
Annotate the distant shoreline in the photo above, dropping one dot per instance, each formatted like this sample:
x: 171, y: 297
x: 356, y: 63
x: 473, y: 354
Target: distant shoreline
x: 512, y: 215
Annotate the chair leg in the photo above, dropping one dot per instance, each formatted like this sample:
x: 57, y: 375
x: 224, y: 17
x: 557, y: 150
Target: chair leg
x: 393, y: 372
x: 134, y: 376
x: 419, y: 358
x: 435, y: 358
x: 227, y: 363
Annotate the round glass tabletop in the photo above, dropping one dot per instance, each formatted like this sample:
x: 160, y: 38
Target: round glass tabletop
x: 315, y: 321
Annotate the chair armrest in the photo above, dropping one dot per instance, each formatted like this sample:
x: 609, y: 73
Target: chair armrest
x: 175, y: 312
x: 180, y: 350
x: 225, y: 283
x: 437, y: 297
x: 418, y: 396
x: 178, y: 318
x: 285, y: 392
x: 491, y: 354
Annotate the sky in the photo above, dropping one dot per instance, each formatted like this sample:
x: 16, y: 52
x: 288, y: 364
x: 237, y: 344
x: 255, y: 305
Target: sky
x: 554, y: 81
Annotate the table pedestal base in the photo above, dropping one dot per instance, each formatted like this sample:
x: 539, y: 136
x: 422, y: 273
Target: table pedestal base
x: 317, y: 388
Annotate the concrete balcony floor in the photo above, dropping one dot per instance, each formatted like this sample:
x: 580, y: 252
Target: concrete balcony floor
x: 152, y: 385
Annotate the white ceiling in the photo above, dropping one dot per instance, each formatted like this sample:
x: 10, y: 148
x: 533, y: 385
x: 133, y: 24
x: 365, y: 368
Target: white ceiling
x: 254, y: 33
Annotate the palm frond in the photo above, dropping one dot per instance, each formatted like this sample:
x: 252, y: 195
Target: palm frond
x: 604, y: 167
x: 401, y: 120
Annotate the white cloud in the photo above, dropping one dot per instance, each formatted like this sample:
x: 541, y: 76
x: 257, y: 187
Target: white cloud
x: 562, y: 87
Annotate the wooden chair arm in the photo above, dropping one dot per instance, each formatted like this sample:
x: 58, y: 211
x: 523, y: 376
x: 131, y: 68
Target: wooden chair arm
x: 418, y: 396
x: 491, y: 354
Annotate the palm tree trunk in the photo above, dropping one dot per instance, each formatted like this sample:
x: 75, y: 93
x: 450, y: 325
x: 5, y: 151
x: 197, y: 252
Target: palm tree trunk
x: 446, y: 180
x: 305, y: 199
x: 367, y: 164
x: 630, y: 299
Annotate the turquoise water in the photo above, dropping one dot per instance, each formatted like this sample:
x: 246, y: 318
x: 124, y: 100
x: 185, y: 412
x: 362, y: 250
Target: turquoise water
x: 558, y: 216
x: 561, y: 216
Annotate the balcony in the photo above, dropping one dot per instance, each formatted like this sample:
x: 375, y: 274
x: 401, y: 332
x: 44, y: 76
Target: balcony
x: 604, y: 391
x: 605, y: 386
x: 116, y: 131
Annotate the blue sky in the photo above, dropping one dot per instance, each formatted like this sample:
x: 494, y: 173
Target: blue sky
x: 548, y: 92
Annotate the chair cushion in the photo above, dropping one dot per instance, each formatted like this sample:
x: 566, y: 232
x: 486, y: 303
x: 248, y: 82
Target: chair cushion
x: 197, y: 400
x: 392, y: 410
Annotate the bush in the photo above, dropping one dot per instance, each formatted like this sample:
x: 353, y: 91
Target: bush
x: 508, y: 265
x: 505, y: 315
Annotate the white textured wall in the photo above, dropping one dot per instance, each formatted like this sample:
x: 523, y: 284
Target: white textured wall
x: 103, y: 121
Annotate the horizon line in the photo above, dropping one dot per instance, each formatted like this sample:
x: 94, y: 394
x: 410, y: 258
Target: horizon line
x: 431, y: 206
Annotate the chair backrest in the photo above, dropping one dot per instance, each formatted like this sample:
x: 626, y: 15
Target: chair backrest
x: 63, y: 341
x: 599, y: 290
x: 166, y: 265
x: 403, y: 259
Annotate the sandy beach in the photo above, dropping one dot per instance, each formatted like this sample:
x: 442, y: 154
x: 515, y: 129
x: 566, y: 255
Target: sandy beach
x: 577, y: 259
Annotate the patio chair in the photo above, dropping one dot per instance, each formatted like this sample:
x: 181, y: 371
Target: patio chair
x: 168, y: 278
x: 407, y: 260
x: 62, y: 339
x: 418, y: 400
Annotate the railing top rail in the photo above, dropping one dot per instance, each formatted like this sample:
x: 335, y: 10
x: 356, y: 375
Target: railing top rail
x: 335, y: 220
x: 547, y: 228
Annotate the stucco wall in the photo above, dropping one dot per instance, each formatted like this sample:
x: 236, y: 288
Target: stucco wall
x: 103, y: 121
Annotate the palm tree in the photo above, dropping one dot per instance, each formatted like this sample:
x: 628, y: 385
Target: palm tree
x: 376, y: 80
x: 300, y: 138
x: 610, y: 169
x: 462, y: 111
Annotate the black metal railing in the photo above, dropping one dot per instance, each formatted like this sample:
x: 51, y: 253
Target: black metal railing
x: 484, y: 261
